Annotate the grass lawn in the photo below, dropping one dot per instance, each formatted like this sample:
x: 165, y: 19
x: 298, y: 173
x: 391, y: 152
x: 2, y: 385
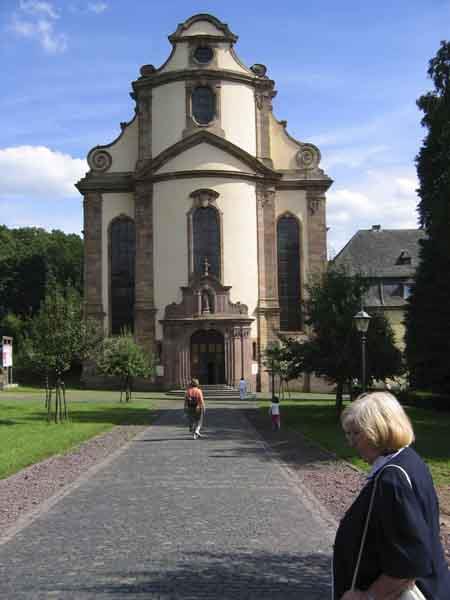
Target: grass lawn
x: 315, y: 417
x: 26, y: 437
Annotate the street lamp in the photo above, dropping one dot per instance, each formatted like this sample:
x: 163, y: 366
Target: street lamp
x: 362, y: 320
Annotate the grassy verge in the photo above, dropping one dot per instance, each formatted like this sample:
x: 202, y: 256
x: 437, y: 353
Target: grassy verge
x: 26, y: 437
x: 316, y: 418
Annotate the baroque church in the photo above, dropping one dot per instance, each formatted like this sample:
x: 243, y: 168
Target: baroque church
x: 204, y: 219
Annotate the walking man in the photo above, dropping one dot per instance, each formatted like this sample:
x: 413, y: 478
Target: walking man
x: 194, y: 406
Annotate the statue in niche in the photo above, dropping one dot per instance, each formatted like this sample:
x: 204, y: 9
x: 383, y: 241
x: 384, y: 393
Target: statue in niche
x: 206, y: 305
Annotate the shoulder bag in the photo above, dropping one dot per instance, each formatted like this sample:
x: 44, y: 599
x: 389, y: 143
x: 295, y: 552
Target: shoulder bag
x: 412, y: 594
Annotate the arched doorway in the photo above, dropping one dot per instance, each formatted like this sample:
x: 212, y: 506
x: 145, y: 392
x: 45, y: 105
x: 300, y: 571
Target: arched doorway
x: 207, y: 357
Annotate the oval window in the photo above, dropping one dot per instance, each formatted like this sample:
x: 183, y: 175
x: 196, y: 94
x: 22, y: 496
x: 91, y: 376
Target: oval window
x: 203, y: 54
x: 203, y: 102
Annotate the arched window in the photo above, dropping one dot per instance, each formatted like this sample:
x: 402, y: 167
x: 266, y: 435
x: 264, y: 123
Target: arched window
x: 123, y: 250
x: 288, y: 245
x: 206, y: 241
x: 203, y: 104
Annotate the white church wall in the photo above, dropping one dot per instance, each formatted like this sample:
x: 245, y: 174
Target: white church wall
x: 178, y: 60
x: 171, y: 203
x: 294, y: 201
x: 238, y: 115
x: 283, y: 149
x: 124, y: 152
x: 169, y: 99
x: 113, y: 206
x: 226, y: 59
x: 204, y: 157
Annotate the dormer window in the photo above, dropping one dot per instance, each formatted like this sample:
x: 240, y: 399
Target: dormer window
x: 203, y: 104
x: 203, y: 54
x: 404, y: 258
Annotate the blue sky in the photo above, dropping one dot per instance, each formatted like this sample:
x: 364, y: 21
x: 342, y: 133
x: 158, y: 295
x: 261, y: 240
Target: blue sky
x: 347, y: 72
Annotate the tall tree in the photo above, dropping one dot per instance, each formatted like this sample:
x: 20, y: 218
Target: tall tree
x: 334, y: 349
x: 428, y: 313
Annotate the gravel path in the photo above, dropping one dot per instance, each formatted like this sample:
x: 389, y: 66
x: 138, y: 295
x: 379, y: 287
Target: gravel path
x: 30, y: 487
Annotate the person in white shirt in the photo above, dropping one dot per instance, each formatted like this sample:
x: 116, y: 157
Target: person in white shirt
x: 242, y: 389
x: 274, y: 412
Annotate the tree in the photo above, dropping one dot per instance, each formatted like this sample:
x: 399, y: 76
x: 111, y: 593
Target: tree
x: 276, y: 362
x: 334, y: 349
x: 428, y: 313
x: 57, y: 336
x: 121, y: 357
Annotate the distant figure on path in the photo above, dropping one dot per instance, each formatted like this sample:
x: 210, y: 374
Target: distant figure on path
x: 388, y: 541
x: 274, y: 412
x: 242, y: 389
x: 194, y: 406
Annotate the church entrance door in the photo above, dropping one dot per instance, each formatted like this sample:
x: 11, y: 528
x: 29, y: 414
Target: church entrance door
x: 208, y: 357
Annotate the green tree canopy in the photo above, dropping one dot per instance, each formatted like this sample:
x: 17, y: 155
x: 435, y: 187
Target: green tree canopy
x: 334, y: 349
x: 428, y: 313
x: 27, y: 256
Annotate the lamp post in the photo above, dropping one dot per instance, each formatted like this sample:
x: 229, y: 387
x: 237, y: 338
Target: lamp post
x: 362, y: 320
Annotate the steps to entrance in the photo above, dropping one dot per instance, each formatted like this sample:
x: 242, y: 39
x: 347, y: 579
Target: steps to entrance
x: 211, y: 392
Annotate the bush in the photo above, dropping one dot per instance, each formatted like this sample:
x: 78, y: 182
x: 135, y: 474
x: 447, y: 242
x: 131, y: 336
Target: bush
x: 427, y: 400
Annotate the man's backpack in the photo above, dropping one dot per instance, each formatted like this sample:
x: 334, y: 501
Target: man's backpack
x: 192, y: 401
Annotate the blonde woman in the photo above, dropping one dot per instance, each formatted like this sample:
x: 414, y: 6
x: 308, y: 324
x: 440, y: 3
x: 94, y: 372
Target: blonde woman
x: 402, y: 545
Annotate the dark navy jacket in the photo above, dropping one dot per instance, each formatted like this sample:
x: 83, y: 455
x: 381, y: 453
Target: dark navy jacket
x: 403, y: 535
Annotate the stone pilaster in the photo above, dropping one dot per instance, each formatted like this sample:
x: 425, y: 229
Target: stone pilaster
x: 93, y: 302
x: 317, y: 231
x: 144, y: 319
x: 268, y: 306
x: 144, y: 110
x: 263, y: 100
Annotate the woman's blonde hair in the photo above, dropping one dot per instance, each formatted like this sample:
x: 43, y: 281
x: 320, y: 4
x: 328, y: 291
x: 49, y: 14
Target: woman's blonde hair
x: 380, y: 416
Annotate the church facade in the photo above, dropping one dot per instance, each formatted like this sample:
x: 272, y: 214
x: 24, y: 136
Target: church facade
x: 204, y: 219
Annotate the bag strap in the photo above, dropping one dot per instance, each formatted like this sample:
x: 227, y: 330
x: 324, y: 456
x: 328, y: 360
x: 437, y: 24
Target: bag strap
x: 366, y: 524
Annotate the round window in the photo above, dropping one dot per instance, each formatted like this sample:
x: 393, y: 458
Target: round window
x: 203, y: 54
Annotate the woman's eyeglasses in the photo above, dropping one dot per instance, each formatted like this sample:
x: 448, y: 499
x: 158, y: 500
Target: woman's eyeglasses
x: 351, y: 434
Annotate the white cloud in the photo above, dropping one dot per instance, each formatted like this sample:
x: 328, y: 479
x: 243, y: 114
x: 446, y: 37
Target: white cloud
x: 97, y: 7
x: 37, y: 172
x: 353, y: 156
x: 383, y: 197
x: 37, y: 7
x: 36, y: 21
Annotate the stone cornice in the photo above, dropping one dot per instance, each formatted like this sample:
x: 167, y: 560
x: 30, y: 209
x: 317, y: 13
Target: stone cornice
x: 217, y: 318
x: 317, y: 185
x: 200, y: 137
x: 199, y: 173
x: 106, y: 182
x: 157, y: 78
x: 227, y: 35
x: 128, y: 182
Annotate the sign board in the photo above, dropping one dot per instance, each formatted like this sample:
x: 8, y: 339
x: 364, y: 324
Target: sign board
x: 254, y: 368
x: 7, y: 355
x: 160, y: 370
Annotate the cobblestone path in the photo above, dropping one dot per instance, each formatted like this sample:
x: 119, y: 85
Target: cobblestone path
x: 172, y: 518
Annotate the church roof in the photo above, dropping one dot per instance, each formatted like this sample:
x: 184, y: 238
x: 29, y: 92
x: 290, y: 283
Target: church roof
x: 380, y: 252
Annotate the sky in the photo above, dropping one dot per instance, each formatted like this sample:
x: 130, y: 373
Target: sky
x: 348, y: 74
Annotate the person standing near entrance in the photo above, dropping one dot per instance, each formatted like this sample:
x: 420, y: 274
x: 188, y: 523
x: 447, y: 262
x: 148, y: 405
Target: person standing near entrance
x: 194, y: 405
x: 242, y: 389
